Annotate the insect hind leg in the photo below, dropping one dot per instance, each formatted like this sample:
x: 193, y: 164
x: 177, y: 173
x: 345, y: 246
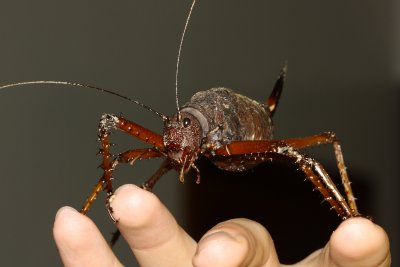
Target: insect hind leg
x: 317, y: 175
x: 250, y: 153
x: 329, y: 138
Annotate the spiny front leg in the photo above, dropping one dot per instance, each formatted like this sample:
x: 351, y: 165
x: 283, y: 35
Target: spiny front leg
x: 105, y: 126
x: 108, y: 123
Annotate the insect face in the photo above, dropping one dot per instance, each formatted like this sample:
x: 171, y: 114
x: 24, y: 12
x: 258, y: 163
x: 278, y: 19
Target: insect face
x: 182, y: 136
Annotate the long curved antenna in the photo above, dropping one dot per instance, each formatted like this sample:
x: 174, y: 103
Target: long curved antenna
x: 179, y: 56
x: 85, y: 86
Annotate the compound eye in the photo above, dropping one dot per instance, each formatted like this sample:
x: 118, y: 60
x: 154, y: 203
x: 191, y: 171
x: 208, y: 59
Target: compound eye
x: 186, y: 122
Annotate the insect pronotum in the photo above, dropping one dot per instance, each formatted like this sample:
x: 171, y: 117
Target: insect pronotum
x: 232, y: 130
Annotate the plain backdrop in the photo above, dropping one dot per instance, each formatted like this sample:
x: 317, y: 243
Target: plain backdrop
x: 343, y: 76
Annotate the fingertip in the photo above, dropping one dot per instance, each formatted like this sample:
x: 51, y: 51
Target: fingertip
x: 71, y: 228
x: 65, y: 210
x: 68, y: 224
x: 79, y: 241
x: 134, y: 206
x: 359, y: 239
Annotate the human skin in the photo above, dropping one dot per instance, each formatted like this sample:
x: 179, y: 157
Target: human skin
x: 157, y: 240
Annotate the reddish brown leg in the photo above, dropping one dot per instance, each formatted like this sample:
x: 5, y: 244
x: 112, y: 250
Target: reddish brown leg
x: 105, y: 179
x: 243, y: 147
x: 148, y: 185
x: 329, y: 138
x: 107, y: 124
x: 244, y: 153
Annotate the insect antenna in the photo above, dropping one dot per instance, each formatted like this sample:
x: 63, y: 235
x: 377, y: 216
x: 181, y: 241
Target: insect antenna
x: 85, y: 86
x: 179, y: 56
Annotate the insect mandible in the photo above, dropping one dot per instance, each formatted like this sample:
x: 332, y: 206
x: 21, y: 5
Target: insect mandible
x: 232, y: 130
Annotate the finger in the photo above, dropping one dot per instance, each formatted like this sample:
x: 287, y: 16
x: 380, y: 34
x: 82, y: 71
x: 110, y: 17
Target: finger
x: 79, y: 241
x: 237, y: 242
x: 356, y: 242
x: 150, y: 230
x: 359, y: 242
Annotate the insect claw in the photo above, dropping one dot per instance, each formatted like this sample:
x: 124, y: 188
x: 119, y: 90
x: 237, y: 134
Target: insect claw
x: 114, y: 164
x: 110, y: 198
x: 145, y: 187
x: 182, y: 178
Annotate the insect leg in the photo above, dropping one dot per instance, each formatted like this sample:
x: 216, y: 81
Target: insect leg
x: 105, y: 179
x: 129, y: 156
x: 108, y: 123
x: 248, y: 153
x: 164, y: 168
x: 133, y: 129
x: 148, y: 185
x: 328, y: 138
x: 318, y: 176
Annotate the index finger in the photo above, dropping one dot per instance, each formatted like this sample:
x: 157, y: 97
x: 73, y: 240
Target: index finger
x: 150, y: 229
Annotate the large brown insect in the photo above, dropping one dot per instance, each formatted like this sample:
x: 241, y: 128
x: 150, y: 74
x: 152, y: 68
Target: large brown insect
x: 232, y: 130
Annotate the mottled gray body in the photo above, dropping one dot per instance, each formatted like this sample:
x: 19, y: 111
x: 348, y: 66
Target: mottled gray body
x: 230, y: 116
x: 223, y: 117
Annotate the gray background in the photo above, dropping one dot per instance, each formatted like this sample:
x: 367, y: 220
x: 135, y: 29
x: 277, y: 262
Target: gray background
x: 343, y: 76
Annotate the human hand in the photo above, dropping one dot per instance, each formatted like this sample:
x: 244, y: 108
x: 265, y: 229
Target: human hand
x: 157, y: 240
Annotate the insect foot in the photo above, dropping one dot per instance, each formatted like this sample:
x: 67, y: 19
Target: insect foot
x: 108, y: 122
x: 109, y: 200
